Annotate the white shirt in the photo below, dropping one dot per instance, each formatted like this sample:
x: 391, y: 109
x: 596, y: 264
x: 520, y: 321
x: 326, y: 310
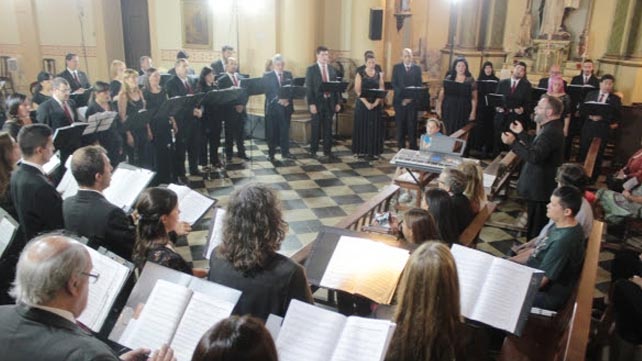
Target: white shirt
x: 38, y: 166
x: 279, y: 77
x: 73, y: 73
x: 514, y: 82
x: 57, y: 311
x: 603, y: 97
x: 321, y: 67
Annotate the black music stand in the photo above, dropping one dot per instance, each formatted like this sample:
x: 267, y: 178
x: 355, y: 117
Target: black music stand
x: 298, y: 81
x: 98, y: 123
x: 495, y: 100
x: 292, y: 92
x: 81, y: 99
x: 65, y: 136
x: 253, y: 86
x: 487, y: 86
x: 372, y: 94
x: 419, y: 94
x: 138, y: 120
x: 578, y: 92
x: 537, y: 93
x: 604, y: 110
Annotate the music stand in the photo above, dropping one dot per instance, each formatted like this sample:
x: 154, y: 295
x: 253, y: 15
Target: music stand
x: 578, y: 92
x: 419, y: 94
x: 138, y: 120
x: 334, y: 87
x: 298, y: 81
x: 223, y: 81
x: 537, y: 93
x: 495, y: 100
x: 253, y: 86
x: 372, y: 94
x: 604, y: 110
x: 65, y: 136
x: 292, y: 92
x: 81, y: 99
x: 98, y: 123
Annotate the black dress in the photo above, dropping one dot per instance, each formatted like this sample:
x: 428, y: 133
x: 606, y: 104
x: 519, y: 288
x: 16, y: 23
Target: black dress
x: 455, y: 110
x: 110, y: 140
x: 368, y: 132
x: 12, y: 126
x: 482, y: 135
x: 167, y: 257
x: 162, y: 142
x: 40, y: 98
x: 142, y: 154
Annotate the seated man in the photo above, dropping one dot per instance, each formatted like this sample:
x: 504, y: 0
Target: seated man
x: 51, y: 291
x: 88, y: 213
x: 561, y: 254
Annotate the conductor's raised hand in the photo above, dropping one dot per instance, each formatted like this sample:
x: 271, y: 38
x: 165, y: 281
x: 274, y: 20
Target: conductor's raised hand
x: 516, y: 127
x: 508, y: 138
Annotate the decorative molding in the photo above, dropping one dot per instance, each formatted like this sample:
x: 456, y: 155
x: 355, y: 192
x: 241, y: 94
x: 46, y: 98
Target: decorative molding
x: 11, y: 49
x: 62, y: 50
x: 195, y: 55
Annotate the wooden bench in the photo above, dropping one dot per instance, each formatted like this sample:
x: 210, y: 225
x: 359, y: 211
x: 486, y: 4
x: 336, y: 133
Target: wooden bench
x: 566, y: 335
x: 591, y: 157
x: 470, y: 235
x: 502, y: 167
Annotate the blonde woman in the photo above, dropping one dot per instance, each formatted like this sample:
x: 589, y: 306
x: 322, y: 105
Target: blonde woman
x: 116, y: 71
x: 474, y: 185
x: 131, y: 101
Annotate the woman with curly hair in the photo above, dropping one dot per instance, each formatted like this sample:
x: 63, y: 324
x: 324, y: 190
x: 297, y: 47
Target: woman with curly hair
x: 247, y: 259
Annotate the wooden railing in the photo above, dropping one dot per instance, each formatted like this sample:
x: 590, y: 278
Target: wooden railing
x: 501, y: 168
x: 469, y: 236
x: 591, y: 157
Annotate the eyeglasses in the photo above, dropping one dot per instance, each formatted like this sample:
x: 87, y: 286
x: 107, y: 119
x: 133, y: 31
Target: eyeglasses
x: 93, y: 277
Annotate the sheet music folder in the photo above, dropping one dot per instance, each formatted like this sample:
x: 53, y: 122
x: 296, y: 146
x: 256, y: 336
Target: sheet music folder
x: 292, y: 92
x: 333, y: 87
x: 99, y: 122
x: 578, y: 91
x: 298, y: 81
x: 495, y: 100
x: 70, y: 134
x: 604, y: 110
x: 8, y: 231
x: 223, y: 96
x: 138, y: 120
x: 456, y: 89
x: 373, y: 94
x: 253, y: 86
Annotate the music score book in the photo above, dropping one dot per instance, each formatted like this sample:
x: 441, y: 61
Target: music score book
x: 192, y: 204
x: 495, y: 291
x: 65, y: 136
x: 99, y: 122
x: 113, y: 273
x: 52, y: 164
x: 313, y: 334
x: 177, y: 309
x: 215, y: 234
x: 374, y: 273
x: 8, y: 230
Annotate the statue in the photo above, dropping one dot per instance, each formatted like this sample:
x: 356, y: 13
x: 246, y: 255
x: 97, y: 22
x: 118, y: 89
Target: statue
x: 554, y: 12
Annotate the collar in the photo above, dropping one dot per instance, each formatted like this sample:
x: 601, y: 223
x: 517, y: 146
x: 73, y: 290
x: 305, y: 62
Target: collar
x: 277, y: 73
x: 57, y: 311
x: 321, y: 65
x: 37, y: 166
x: 406, y: 65
x: 90, y: 190
x: 72, y: 71
x: 60, y: 102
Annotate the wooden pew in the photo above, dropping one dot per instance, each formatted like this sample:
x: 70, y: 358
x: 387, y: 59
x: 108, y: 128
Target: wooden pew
x: 469, y: 236
x: 502, y: 167
x: 591, y: 157
x: 364, y: 215
x: 566, y: 335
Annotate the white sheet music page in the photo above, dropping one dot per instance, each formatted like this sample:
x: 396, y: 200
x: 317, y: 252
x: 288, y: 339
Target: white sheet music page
x: 160, y: 316
x: 472, y: 268
x: 202, y: 312
x: 216, y: 237
x: 7, y: 230
x: 68, y: 186
x: 52, y: 164
x: 363, y: 339
x: 103, y: 293
x: 502, y: 297
x: 191, y: 203
x: 126, y: 185
x: 308, y: 333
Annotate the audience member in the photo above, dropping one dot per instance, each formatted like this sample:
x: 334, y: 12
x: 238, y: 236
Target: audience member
x: 474, y: 185
x: 561, y: 254
x: 158, y: 212
x: 38, y: 204
x: 418, y: 226
x: 428, y: 314
x: 145, y: 63
x: 236, y: 339
x: 626, y: 272
x: 632, y: 169
x: 440, y: 205
x: 454, y: 182
x: 18, y: 110
x: 43, y: 90
x: 248, y: 261
x: 51, y: 290
x: 434, y: 128
x: 88, y: 213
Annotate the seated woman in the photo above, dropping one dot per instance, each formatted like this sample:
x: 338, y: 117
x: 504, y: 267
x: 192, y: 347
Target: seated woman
x: 474, y: 185
x: 236, y: 338
x: 434, y: 128
x: 440, y: 205
x: 632, y: 169
x: 428, y: 314
x: 454, y: 182
x: 418, y: 226
x: 157, y: 210
x: 18, y: 111
x: 247, y: 259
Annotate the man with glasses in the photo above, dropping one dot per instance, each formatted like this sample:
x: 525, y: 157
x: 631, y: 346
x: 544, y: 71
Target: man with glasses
x: 59, y: 111
x: 51, y: 288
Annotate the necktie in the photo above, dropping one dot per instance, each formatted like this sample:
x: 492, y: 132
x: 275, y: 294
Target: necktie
x: 187, y: 86
x: 324, y: 75
x: 76, y: 77
x: 280, y: 79
x: 67, y: 112
x: 585, y: 80
x: 602, y: 98
x: 513, y: 86
x: 407, y: 69
x: 236, y: 82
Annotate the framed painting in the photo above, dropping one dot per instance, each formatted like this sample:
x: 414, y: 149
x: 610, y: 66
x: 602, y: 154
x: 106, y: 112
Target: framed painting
x: 197, y: 24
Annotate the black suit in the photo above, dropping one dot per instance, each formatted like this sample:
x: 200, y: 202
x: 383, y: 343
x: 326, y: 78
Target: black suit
x: 234, y: 121
x: 89, y: 214
x: 28, y: 333
x: 542, y: 155
x: 598, y: 129
x: 515, y: 99
x: 188, y: 137
x: 325, y: 104
x: 405, y: 116
x: 82, y: 82
x: 277, y: 116
x: 51, y: 113
x: 38, y: 204
x: 543, y: 83
x: 575, y: 127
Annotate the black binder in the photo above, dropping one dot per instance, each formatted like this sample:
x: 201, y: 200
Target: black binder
x: 495, y: 100
x: 372, y: 94
x: 253, y: 86
x: 333, y: 87
x: 224, y: 96
x: 292, y: 92
x: 138, y: 120
x: 487, y: 86
x: 578, y: 91
x: 66, y: 137
x: 81, y: 99
x: 604, y: 110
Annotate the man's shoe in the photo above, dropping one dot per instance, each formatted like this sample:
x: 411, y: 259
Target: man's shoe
x: 288, y: 156
x: 313, y: 154
x: 182, y: 180
x: 243, y: 156
x: 271, y: 158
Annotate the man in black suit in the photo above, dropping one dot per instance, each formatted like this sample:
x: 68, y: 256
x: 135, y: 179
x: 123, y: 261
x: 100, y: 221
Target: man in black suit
x: 88, y: 213
x: 553, y: 71
x: 597, y: 126
x: 587, y: 80
x: 38, y: 204
x: 279, y: 110
x: 405, y: 74
x: 187, y: 121
x: 218, y: 66
x: 517, y: 95
x: 181, y: 54
x: 542, y: 155
x: 322, y: 105
x: 77, y: 79
x: 233, y: 114
x: 51, y: 290
x: 145, y: 63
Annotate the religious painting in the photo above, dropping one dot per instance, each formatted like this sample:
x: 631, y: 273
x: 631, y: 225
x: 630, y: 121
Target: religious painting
x: 196, y: 24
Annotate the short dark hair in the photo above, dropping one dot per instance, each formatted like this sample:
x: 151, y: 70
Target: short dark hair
x: 43, y: 75
x: 13, y: 103
x: 572, y: 174
x: 321, y: 49
x: 236, y: 338
x: 69, y: 56
x: 182, y: 54
x: 587, y: 61
x: 86, y: 162
x: 607, y: 77
x: 226, y: 48
x: 33, y: 136
x: 554, y: 103
x: 368, y: 53
x: 521, y: 63
x: 570, y: 198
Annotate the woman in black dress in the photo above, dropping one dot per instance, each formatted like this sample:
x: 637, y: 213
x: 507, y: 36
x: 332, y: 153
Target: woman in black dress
x: 457, y: 110
x: 161, y: 127
x: 99, y: 102
x: 368, y: 133
x: 18, y: 112
x: 117, y: 71
x: 211, y: 124
x: 131, y: 101
x: 42, y: 91
x: 483, y: 133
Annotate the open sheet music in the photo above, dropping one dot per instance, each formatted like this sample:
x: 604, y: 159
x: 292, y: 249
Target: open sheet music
x: 113, y: 273
x: 177, y: 309
x: 495, y: 291
x: 314, y: 334
x: 99, y: 122
x: 8, y: 230
x: 192, y: 204
x: 52, y: 164
x: 374, y: 273
x: 215, y: 235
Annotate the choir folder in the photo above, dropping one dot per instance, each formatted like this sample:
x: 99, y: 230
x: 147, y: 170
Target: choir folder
x: 313, y: 334
x: 8, y: 230
x: 192, y: 204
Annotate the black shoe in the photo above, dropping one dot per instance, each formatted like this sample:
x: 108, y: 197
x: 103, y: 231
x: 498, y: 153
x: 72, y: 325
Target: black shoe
x: 288, y: 156
x: 182, y: 180
x: 228, y: 158
x: 243, y: 156
x: 313, y: 154
x: 217, y: 163
x: 271, y: 158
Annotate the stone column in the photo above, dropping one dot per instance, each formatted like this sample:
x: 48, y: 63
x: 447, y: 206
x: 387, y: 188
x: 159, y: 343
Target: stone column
x: 31, y: 60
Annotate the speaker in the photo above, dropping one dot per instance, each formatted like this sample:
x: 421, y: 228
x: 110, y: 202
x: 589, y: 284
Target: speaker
x: 376, y: 24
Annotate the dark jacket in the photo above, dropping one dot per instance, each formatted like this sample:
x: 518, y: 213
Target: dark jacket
x: 52, y: 113
x: 520, y: 97
x: 271, y: 84
x: 73, y: 84
x: 401, y: 80
x: 313, y: 81
x: 612, y: 99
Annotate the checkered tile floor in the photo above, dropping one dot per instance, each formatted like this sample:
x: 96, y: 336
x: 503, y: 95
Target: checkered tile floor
x: 316, y: 192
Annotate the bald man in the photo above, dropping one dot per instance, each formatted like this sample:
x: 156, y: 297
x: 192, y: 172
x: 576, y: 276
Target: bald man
x: 555, y: 70
x: 51, y: 290
x: 405, y: 74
